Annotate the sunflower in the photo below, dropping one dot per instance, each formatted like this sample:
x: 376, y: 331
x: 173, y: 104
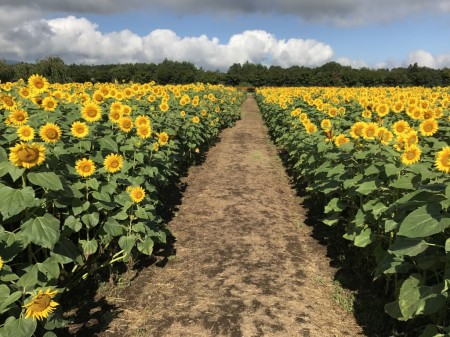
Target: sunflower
x: 8, y: 102
x: 400, y: 142
x: 411, y: 138
x: 79, y: 129
x: 442, y: 162
x: 126, y: 109
x: 38, y: 83
x: 18, y: 117
x: 144, y: 131
x: 98, y: 97
x: 384, y: 135
x: 325, y: 124
x: 125, y: 124
x: 115, y: 115
x: 136, y: 193
x: 41, y: 305
x: 27, y: 155
x: 25, y: 133
x: 182, y: 113
x: 155, y: 147
x: 369, y: 131
x: 113, y: 162
x: 382, y: 109
x: 341, y: 140
x: 142, y: 120
x: 428, y: 127
x: 163, y: 107
x: 49, y: 103
x: 1, y: 263
x: 411, y: 155
x: 163, y: 138
x: 24, y: 92
x: 401, y: 127
x: 195, y: 119
x: 85, y: 167
x: 50, y: 133
x: 311, y: 128
x: 91, y: 112
x: 357, y: 129
x: 398, y: 106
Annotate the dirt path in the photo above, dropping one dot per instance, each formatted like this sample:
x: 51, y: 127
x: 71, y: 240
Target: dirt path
x: 245, y: 264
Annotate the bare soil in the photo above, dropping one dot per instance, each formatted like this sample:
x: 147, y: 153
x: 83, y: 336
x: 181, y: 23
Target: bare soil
x: 245, y: 262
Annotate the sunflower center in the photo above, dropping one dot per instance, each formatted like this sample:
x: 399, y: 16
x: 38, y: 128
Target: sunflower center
x: 52, y: 134
x: 114, y: 164
x: 138, y: 194
x: 86, y: 168
x: 91, y: 112
x: 39, y: 84
x: 370, y: 132
x: 25, y: 132
x: 28, y: 155
x: 410, y: 155
x: 40, y: 303
x: 428, y: 127
x: 79, y: 129
x: 20, y: 117
x: 50, y: 105
x: 126, y: 124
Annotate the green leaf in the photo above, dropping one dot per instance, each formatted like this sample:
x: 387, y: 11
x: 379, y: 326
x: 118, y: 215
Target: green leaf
x: 47, y: 180
x: 89, y: 247
x: 107, y: 143
x: 49, y: 269
x: 92, y: 183
x: 367, y: 187
x: 391, y: 170
x: 146, y: 246
x: 4, y: 168
x: 5, y: 298
x: 405, y: 182
x: 415, y: 299
x: 364, y: 238
x: 29, y: 279
x: 66, y: 251
x: 73, y: 223
x: 335, y: 205
x: 408, y: 246
x: 43, y: 231
x: 15, y: 172
x: 127, y: 243
x: 423, y: 222
x: 112, y: 227
x: 14, y: 201
x: 390, y: 225
x: 447, y: 245
x: 91, y: 219
x: 22, y: 327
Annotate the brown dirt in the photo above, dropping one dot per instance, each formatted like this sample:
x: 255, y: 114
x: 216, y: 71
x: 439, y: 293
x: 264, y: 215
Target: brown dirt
x: 245, y: 263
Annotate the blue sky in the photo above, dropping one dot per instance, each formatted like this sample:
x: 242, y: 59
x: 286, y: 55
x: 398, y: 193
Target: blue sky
x: 216, y: 34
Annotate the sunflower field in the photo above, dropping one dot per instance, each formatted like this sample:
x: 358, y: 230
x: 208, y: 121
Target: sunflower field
x: 378, y: 161
x: 82, y: 169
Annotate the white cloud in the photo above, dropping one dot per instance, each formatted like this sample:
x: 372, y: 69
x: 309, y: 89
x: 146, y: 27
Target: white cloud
x: 426, y: 59
x: 348, y: 12
x: 77, y: 40
x: 356, y: 64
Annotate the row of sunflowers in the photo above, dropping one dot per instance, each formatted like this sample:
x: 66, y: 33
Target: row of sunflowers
x: 83, y: 169
x: 378, y: 161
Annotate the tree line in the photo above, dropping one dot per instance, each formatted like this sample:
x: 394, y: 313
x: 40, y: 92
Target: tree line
x: 247, y: 74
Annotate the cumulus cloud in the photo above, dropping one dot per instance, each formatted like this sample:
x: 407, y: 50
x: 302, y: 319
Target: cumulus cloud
x: 348, y: 12
x: 77, y: 40
x: 356, y: 64
x: 426, y: 59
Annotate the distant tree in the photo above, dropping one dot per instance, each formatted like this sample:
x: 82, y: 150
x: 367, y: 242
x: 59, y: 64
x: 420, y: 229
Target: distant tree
x: 6, y: 72
x: 53, y: 68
